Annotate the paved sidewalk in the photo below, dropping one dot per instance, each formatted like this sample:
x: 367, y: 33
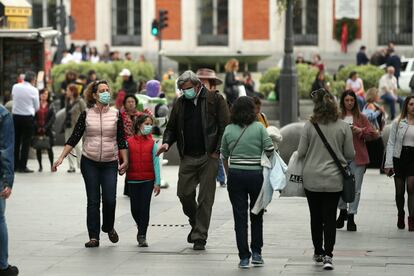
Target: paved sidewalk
x: 47, y: 228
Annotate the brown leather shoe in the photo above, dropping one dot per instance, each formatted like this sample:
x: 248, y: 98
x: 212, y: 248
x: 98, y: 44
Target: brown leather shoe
x: 92, y: 243
x: 113, y: 236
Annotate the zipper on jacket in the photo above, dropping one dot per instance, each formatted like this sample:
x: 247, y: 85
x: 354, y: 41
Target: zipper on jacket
x: 100, y: 156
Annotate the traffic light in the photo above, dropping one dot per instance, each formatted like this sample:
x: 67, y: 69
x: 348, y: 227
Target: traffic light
x: 154, y: 27
x: 163, y: 19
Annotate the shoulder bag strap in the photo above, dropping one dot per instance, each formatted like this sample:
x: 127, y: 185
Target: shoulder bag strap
x: 238, y: 139
x: 328, y: 147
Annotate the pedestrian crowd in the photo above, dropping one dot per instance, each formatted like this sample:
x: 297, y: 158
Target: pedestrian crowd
x: 78, y: 54
x: 216, y: 137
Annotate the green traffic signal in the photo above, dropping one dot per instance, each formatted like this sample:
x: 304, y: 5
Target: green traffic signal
x: 154, y: 28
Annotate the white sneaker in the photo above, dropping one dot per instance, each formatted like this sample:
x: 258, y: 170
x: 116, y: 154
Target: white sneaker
x: 327, y: 263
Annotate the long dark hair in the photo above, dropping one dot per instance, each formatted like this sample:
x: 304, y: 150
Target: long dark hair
x: 355, y: 110
x: 404, y: 111
x: 242, y: 111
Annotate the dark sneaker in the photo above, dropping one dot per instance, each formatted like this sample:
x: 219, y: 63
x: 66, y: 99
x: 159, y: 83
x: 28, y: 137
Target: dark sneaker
x: 9, y: 271
x: 244, y: 263
x: 92, y: 243
x: 26, y: 170
x: 318, y: 259
x: 113, y: 236
x: 257, y: 259
x: 71, y: 170
x: 327, y: 263
x: 223, y: 184
x: 142, y: 241
x: 199, y: 245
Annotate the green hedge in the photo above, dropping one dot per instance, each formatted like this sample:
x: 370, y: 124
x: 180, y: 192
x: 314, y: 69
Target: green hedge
x: 306, y: 75
x: 108, y: 71
x: 168, y: 87
x: 369, y: 74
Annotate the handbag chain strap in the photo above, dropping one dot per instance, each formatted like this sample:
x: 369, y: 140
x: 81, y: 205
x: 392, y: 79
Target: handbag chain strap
x: 330, y: 150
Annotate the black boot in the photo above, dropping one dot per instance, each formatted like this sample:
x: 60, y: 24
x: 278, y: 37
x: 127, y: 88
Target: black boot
x: 351, y: 226
x: 340, y: 222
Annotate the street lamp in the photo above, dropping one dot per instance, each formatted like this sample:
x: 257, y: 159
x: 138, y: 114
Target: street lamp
x: 288, y: 101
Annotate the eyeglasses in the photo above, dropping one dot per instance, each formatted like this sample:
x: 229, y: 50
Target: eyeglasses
x: 313, y: 93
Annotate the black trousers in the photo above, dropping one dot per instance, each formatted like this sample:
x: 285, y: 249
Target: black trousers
x: 322, y: 207
x: 140, y: 197
x: 23, y: 129
x: 242, y: 185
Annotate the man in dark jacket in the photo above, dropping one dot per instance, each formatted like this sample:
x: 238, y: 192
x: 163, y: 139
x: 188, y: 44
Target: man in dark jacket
x: 394, y: 61
x: 361, y: 56
x: 197, y: 123
x: 6, y: 183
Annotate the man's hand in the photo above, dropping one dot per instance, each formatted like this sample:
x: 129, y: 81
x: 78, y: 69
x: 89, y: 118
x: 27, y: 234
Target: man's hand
x: 215, y: 155
x: 163, y: 148
x: 6, y: 192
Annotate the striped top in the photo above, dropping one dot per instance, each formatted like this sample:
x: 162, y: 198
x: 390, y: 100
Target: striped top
x: 248, y: 151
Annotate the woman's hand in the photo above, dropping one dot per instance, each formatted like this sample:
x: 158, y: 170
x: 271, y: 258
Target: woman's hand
x: 123, y: 167
x: 157, y: 190
x: 57, y: 164
x: 389, y: 171
x: 356, y: 130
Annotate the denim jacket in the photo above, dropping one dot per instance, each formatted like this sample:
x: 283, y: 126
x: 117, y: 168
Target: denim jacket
x: 395, y: 141
x: 6, y: 148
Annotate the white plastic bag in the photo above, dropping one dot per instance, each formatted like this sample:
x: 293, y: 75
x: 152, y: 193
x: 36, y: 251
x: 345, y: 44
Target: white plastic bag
x: 294, y: 177
x: 242, y: 90
x: 277, y: 175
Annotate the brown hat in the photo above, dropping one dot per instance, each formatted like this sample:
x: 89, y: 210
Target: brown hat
x: 205, y: 73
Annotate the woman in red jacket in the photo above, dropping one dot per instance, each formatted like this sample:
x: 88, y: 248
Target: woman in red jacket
x: 143, y: 174
x: 362, y: 130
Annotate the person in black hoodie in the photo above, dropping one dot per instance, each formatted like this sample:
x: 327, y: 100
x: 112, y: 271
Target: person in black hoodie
x: 128, y: 85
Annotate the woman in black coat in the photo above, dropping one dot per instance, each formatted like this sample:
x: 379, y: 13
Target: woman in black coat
x: 231, y: 81
x: 45, y: 118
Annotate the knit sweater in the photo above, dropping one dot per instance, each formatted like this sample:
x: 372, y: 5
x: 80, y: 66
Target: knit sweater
x: 248, y: 151
x: 320, y: 173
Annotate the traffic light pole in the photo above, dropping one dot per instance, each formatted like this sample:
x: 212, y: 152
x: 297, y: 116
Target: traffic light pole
x: 62, y: 38
x: 159, y: 55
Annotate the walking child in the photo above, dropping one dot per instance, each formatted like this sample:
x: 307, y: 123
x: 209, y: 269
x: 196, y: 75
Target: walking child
x: 143, y: 175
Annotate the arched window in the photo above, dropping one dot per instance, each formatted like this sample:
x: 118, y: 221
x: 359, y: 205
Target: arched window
x: 126, y: 22
x: 213, y: 22
x: 395, y: 22
x: 305, y: 22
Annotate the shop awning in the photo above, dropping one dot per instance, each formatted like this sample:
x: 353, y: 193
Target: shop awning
x: 30, y: 33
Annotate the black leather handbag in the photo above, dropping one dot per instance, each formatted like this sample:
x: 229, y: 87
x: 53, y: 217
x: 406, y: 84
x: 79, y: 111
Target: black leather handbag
x: 348, y: 191
x: 41, y: 142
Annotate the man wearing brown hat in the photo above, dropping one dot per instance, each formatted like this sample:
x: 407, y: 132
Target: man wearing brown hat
x: 209, y: 79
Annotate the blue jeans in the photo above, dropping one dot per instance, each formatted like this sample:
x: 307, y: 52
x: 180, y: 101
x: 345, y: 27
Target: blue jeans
x: 389, y: 100
x: 361, y: 102
x: 97, y: 176
x: 221, y: 177
x: 359, y: 172
x: 4, y: 250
